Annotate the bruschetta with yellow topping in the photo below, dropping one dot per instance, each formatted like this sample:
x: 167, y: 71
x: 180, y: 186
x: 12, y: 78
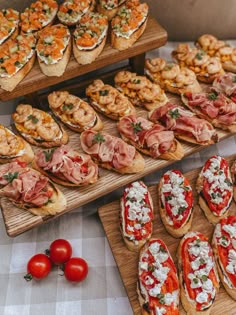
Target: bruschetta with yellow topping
x: 89, y: 37
x: 9, y: 22
x: 128, y: 24
x: 109, y: 7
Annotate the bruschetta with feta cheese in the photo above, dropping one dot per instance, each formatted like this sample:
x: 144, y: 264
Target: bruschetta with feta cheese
x: 128, y: 24
x: 233, y: 174
x: 215, y: 188
x: 9, y: 24
x: 38, y: 127
x: 175, y: 199
x: 158, y: 285
x: 136, y: 215
x: 109, y: 7
x: 198, y: 275
x: 226, y: 84
x: 224, y: 247
x: 89, y: 37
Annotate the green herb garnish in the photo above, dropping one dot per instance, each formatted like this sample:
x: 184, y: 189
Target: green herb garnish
x: 103, y: 92
x: 136, y: 81
x: 67, y: 107
x: 10, y: 176
x: 98, y: 138
x: 212, y: 96
x: 48, y: 154
x: 195, y: 280
x: 33, y: 119
x: 174, y: 113
x: 204, y: 278
x: 234, y: 78
x: 137, y: 127
x: 161, y: 298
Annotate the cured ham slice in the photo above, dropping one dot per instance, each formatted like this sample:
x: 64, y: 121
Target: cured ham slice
x: 226, y: 84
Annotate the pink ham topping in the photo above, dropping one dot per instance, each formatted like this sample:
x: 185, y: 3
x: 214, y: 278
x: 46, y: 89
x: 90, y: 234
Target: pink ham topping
x: 8, y: 171
x: 226, y: 84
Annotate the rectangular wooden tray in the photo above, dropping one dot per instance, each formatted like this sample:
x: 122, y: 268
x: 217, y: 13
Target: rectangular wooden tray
x: 127, y: 261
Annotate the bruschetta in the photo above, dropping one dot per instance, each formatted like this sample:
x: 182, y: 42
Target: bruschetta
x: 39, y: 14
x: 136, y: 215
x: 219, y: 110
x: 17, y: 56
x: 140, y: 90
x: 89, y: 37
x: 233, y: 174
x: 71, y: 11
x: 39, y: 196
x: 226, y: 84
x: 158, y: 286
x: 38, y: 127
x: 9, y: 24
x: 66, y: 166
x: 13, y: 147
x: 74, y: 112
x: 185, y: 124
x: 108, y: 100
x: 175, y: 200
x: 224, y: 247
x: 171, y: 77
x: 54, y: 49
x: 220, y: 49
x: 128, y: 24
x: 205, y: 67
x: 215, y: 188
x: 149, y: 138
x: 109, y: 7
x: 111, y: 152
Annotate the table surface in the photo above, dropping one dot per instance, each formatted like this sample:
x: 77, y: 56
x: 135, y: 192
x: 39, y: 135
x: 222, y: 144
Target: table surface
x: 102, y: 292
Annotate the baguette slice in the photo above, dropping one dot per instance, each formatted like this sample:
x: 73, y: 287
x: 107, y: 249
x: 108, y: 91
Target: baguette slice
x: 109, y: 8
x: 136, y: 215
x: 66, y: 166
x: 198, y: 278
x: 223, y: 243
x: 128, y: 24
x: 158, y: 285
x: 175, y: 199
x: 215, y: 188
x: 42, y: 197
x: 9, y: 21
x: 87, y: 47
x: 111, y: 152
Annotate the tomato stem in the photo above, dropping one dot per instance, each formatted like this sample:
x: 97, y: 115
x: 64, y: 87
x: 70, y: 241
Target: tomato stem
x: 28, y: 277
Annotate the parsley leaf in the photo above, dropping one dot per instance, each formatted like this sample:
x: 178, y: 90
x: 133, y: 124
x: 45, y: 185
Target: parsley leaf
x: 10, y: 176
x: 67, y: 107
x: 98, y: 138
x: 137, y: 127
x: 103, y: 92
x: 212, y: 96
x: 33, y: 119
x: 174, y: 113
x: 48, y: 154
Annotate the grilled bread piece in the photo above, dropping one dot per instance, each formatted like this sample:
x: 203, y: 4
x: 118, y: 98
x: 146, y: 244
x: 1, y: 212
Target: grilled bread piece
x: 109, y: 7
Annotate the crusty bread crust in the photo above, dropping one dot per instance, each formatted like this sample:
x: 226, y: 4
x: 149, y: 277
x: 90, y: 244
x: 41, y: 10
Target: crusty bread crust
x: 27, y: 156
x: 122, y: 43
x: 8, y: 84
x: 193, y: 140
x: 209, y: 78
x: 142, y: 302
x: 229, y: 66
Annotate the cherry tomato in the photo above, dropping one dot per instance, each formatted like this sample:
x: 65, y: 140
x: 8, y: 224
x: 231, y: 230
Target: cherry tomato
x: 76, y: 269
x: 60, y: 251
x: 38, y: 267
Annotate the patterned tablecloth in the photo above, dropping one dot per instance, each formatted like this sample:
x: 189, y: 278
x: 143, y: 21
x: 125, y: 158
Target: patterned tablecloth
x: 102, y: 293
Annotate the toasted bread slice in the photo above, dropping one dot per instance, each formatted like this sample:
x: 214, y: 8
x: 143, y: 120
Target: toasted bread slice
x: 9, y: 21
x: 109, y: 8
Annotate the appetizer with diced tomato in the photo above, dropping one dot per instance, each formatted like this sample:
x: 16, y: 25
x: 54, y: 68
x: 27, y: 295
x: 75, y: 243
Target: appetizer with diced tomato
x: 158, y: 285
x: 215, y: 188
x: 9, y: 21
x: 109, y: 7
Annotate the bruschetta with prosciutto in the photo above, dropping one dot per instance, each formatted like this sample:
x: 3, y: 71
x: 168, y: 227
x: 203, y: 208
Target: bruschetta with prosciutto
x: 215, y: 107
x: 149, y: 138
x: 198, y: 276
x: 108, y: 100
x: 171, y: 77
x: 66, y: 166
x: 136, y: 215
x: 13, y: 147
x: 158, y: 286
x: 224, y: 247
x: 17, y: 56
x: 140, y: 90
x: 226, y: 84
x: 109, y: 7
x: 9, y: 171
x: 74, y: 112
x: 39, y: 14
x: 71, y: 11
x: 38, y: 127
x: 215, y: 188
x: 111, y: 152
x: 175, y: 199
x: 39, y: 196
x: 128, y: 24
x: 9, y: 24
x: 89, y: 37
x: 185, y: 124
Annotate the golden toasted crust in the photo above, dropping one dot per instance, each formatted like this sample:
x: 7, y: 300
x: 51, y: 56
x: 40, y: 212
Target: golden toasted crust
x: 193, y: 140
x: 229, y: 66
x: 27, y: 156
x: 142, y: 303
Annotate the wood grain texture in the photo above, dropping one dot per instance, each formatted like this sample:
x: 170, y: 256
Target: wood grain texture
x: 127, y: 261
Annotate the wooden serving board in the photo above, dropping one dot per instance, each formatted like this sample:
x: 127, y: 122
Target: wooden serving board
x: 127, y: 261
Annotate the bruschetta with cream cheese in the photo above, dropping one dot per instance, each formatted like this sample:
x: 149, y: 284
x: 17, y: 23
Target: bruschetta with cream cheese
x: 158, y: 286
x: 9, y: 24
x: 226, y: 84
x: 109, y: 7
x: 111, y: 152
x: 140, y: 90
x: 108, y: 100
x: 215, y: 188
x: 198, y: 276
x: 175, y: 199
x: 149, y: 138
x: 128, y: 24
x: 38, y: 127
x: 54, y: 49
x: 136, y: 215
x: 17, y: 56
x: 89, y: 37
x: 74, y: 112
